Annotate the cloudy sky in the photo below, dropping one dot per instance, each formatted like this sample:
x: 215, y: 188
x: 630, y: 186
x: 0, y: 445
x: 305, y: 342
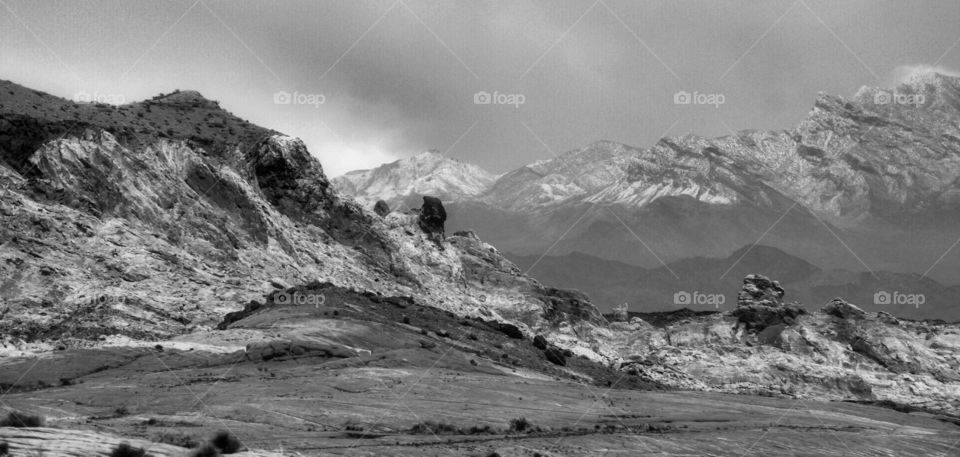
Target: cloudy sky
x: 396, y: 77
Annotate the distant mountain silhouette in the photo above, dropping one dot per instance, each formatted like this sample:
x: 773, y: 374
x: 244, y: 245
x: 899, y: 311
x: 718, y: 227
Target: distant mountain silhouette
x: 611, y: 283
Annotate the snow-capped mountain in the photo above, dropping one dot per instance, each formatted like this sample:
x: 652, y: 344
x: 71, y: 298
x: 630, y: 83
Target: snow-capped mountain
x: 427, y: 173
x: 865, y: 183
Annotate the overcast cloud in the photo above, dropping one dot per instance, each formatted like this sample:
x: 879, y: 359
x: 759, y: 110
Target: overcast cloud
x: 400, y: 76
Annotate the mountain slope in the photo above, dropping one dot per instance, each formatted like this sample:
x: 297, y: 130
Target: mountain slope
x: 113, y: 224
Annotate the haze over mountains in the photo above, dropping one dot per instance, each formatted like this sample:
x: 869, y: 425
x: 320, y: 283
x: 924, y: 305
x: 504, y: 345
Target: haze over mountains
x: 866, y: 185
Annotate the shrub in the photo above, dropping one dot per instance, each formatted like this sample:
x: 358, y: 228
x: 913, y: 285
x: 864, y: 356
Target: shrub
x: 4, y: 449
x: 520, y: 424
x: 484, y: 430
x: 177, y: 439
x: 226, y: 442
x: 435, y: 428
x: 126, y: 450
x: 18, y: 419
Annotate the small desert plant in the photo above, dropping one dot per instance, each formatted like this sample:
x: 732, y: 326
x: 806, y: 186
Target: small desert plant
x: 4, y: 449
x: 177, y: 439
x: 520, y: 425
x: 478, y: 430
x: 434, y: 428
x: 19, y: 419
x: 126, y: 450
x: 226, y: 442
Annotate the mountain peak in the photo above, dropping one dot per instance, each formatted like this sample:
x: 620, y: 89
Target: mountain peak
x: 426, y: 173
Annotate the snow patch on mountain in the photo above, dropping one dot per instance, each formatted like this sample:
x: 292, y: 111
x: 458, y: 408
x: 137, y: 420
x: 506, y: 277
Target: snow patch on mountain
x: 427, y: 173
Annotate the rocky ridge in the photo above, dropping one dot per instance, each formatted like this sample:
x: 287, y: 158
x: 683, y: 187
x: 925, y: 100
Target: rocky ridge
x: 113, y: 225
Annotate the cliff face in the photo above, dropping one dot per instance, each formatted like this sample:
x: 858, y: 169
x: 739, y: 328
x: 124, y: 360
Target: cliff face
x: 113, y: 224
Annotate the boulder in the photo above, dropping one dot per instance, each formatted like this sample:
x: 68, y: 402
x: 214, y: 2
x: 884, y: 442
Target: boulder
x: 555, y: 356
x: 760, y: 304
x: 432, y: 216
x: 760, y: 290
x: 381, y: 208
x: 840, y: 308
x: 510, y: 330
x: 540, y: 342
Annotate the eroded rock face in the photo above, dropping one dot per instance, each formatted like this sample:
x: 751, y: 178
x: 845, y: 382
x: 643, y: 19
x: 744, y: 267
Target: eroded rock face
x: 760, y: 304
x: 174, y: 229
x: 760, y: 290
x: 432, y: 216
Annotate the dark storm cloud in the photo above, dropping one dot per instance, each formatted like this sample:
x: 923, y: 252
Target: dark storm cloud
x: 398, y: 77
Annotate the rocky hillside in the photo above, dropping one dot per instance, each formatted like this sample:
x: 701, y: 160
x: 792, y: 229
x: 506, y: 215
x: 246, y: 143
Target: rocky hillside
x: 766, y: 346
x: 155, y: 219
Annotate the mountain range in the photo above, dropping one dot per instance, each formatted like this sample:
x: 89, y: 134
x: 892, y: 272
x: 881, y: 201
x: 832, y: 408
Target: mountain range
x: 867, y: 184
x: 175, y: 280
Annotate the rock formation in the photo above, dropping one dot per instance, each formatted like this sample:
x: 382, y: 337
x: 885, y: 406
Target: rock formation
x: 177, y: 226
x: 760, y: 290
x: 760, y: 304
x: 381, y: 208
x: 433, y: 216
